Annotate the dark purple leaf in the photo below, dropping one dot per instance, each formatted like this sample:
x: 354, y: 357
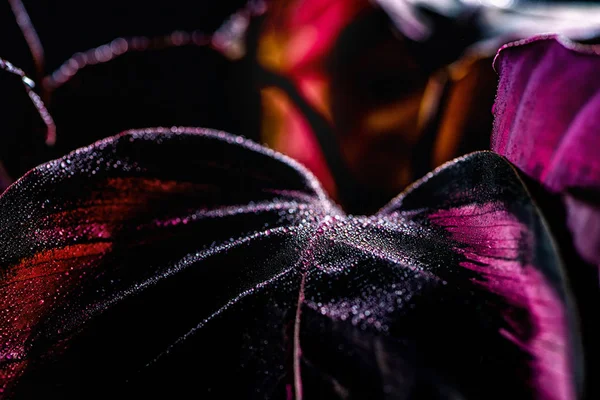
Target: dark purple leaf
x: 547, y: 116
x: 186, y: 262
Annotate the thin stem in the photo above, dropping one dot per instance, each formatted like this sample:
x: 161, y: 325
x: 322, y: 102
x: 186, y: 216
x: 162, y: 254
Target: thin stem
x: 35, y: 98
x: 30, y: 34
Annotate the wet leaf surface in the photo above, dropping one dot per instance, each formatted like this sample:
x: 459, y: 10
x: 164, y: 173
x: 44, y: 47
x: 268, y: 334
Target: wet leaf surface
x: 186, y: 261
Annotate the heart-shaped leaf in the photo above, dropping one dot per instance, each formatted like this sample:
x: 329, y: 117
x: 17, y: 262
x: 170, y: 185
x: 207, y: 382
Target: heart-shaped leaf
x: 187, y: 262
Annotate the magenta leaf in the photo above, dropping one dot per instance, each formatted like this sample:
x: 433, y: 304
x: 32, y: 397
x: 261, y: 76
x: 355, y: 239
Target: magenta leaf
x: 188, y: 262
x: 547, y: 116
x: 548, y: 109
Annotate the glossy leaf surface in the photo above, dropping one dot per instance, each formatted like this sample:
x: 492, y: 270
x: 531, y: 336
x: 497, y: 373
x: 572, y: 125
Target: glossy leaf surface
x: 190, y: 262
